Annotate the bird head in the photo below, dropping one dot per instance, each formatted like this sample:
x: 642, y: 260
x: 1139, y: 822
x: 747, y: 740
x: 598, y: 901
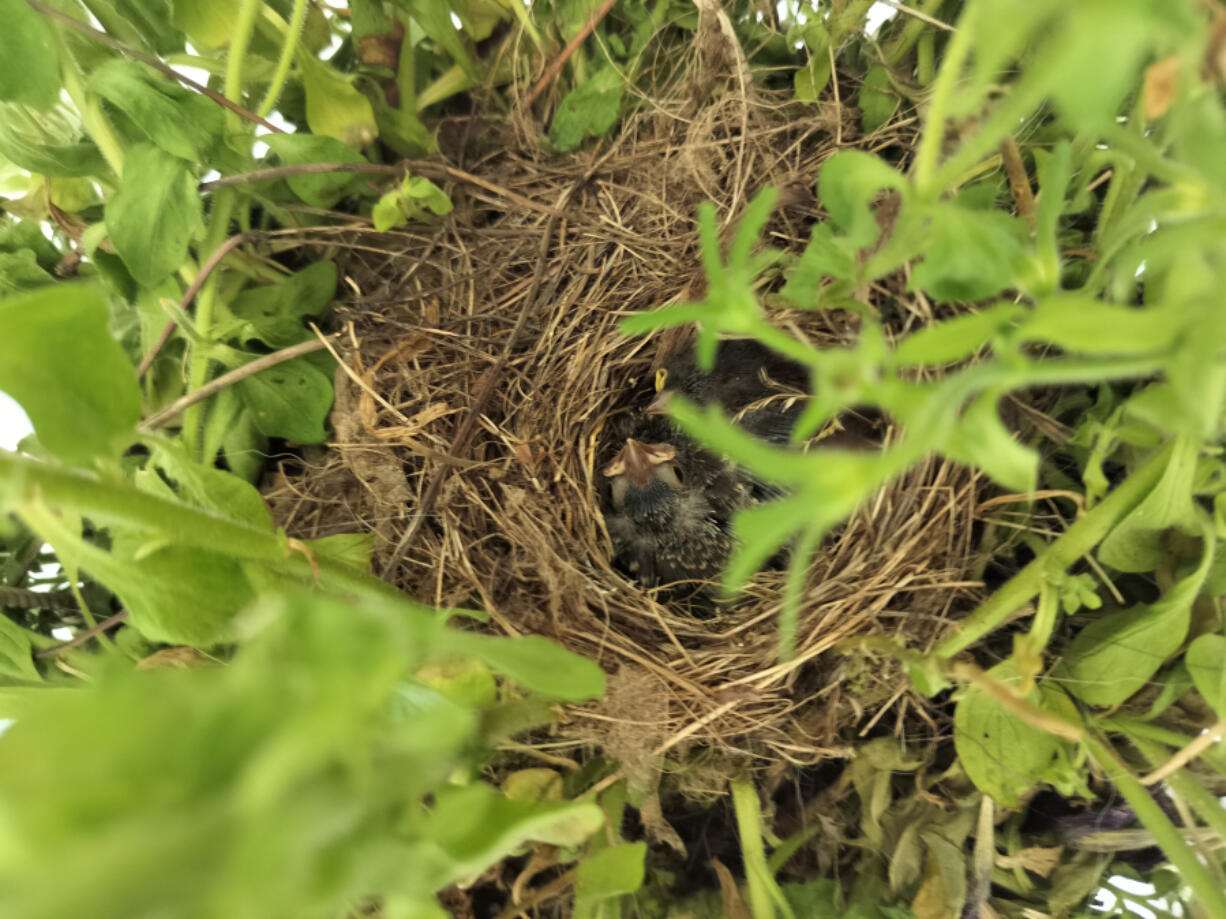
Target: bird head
x: 642, y: 468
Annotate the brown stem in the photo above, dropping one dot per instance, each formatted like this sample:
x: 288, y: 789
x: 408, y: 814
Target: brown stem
x: 572, y: 46
x: 82, y: 637
x: 251, y: 368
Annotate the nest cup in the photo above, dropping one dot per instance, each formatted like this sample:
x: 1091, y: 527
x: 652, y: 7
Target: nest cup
x: 483, y: 373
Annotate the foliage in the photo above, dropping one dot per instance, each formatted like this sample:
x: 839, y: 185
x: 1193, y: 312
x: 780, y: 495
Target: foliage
x: 310, y: 743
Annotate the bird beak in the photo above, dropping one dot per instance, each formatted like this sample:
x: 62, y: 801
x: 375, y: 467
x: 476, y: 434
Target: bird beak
x: 637, y: 460
x: 659, y: 405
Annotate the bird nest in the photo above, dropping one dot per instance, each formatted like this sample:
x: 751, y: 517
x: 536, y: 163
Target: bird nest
x: 481, y: 367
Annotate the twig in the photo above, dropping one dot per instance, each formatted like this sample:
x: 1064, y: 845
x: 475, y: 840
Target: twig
x: 25, y: 598
x: 298, y: 169
x: 158, y: 419
x: 572, y: 46
x: 1198, y: 745
x: 86, y: 29
x: 189, y: 295
x: 921, y: 16
x: 1019, y: 181
x: 82, y: 637
x: 464, y: 432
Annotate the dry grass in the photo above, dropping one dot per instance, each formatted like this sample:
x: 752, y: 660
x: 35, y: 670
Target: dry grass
x: 504, y: 318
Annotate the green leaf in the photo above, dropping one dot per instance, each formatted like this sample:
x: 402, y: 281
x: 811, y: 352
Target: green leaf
x: 276, y: 311
x: 969, y: 254
x: 205, y: 487
x: 333, y: 107
x: 954, y: 339
x: 534, y: 662
x: 183, y: 123
x: 1136, y: 542
x: 322, y: 190
x: 877, y: 101
x: 20, y: 271
x: 1004, y: 756
x: 48, y: 143
x: 1116, y: 654
x: 155, y: 214
x: 846, y: 184
x: 810, y: 80
x: 1079, y: 324
x: 1206, y: 662
x: 824, y: 257
x: 611, y: 872
x: 290, y: 400
x: 588, y: 110
x: 15, y: 652
x: 352, y: 549
x: 981, y: 439
x: 415, y: 196
x: 434, y: 17
x: 29, y: 57
x: 208, y: 23
x: 58, y: 359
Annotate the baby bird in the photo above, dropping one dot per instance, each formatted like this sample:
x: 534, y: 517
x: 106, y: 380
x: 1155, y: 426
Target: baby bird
x: 750, y: 381
x: 666, y: 525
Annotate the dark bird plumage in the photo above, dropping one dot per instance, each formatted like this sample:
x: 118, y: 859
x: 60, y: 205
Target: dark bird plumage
x: 671, y: 500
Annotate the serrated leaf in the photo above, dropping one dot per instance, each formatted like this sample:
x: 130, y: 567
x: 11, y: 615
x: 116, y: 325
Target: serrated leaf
x: 183, y: 123
x: 155, y: 214
x: 29, y: 57
x: 290, y: 400
x: 1206, y: 662
x: 588, y: 110
x: 322, y: 190
x: 67, y: 371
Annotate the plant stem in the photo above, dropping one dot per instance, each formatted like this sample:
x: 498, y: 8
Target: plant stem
x: 286, y: 60
x: 1167, y: 835
x: 23, y: 480
x: 1079, y: 539
x: 947, y: 77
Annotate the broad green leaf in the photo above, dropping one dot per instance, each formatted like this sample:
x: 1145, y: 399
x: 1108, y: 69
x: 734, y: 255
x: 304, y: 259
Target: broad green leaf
x: 183, y: 123
x: 208, y: 23
x: 588, y: 110
x: 532, y: 785
x: 1004, y: 756
x: 1136, y: 542
x: 810, y: 80
x: 206, y: 487
x: 155, y: 214
x: 846, y: 184
x: 415, y: 196
x: 534, y: 662
x: 20, y: 271
x: 1116, y: 654
x: 352, y: 549
x: 611, y: 872
x: 322, y: 190
x: 333, y: 107
x: 29, y: 57
x: 15, y: 652
x: 981, y: 439
x: 434, y: 17
x: 290, y: 400
x: 877, y: 99
x: 466, y: 682
x: 825, y: 257
x: 969, y: 254
x: 954, y: 339
x: 149, y: 19
x: 59, y: 360
x: 1206, y: 662
x: 276, y: 311
x: 48, y: 143
x: 1079, y: 324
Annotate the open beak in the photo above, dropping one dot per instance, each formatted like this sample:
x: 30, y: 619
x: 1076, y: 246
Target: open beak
x: 659, y: 405
x: 637, y: 460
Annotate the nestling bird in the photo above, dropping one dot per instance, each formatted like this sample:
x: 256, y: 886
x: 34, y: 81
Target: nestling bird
x: 672, y: 501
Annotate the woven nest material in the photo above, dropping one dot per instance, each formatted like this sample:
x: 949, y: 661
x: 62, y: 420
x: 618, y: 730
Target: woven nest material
x: 503, y: 320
